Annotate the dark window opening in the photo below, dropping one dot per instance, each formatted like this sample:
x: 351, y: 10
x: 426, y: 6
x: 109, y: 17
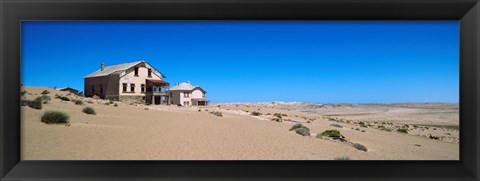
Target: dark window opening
x: 101, y: 89
x: 143, y: 87
x: 136, y: 71
x: 124, y: 87
x: 132, y: 87
x: 149, y: 72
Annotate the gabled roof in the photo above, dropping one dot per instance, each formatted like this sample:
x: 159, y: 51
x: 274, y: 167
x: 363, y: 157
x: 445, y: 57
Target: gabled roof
x: 185, y: 86
x: 115, y: 69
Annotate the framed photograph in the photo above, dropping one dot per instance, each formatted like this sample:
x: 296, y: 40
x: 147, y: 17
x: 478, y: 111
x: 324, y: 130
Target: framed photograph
x: 240, y: 90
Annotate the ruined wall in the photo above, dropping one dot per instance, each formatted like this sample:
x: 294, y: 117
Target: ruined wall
x: 106, y: 87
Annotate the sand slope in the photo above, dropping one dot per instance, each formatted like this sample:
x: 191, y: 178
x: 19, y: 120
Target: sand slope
x: 130, y: 132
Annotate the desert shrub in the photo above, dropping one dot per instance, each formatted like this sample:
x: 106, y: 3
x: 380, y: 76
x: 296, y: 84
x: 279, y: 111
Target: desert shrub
x: 54, y: 117
x: 111, y: 102
x: 276, y: 119
x: 278, y: 115
x: 332, y: 133
x: 216, y: 113
x: 45, y: 92
x: 46, y: 98
x: 24, y: 102
x: 199, y: 110
x: 89, y: 110
x: 359, y: 146
x: 78, y: 102
x: 22, y: 93
x: 179, y: 105
x: 433, y: 137
x: 36, y: 104
x: 64, y: 98
x: 116, y: 105
x: 304, y: 131
x: 269, y: 114
x: 336, y: 125
x: 402, y: 130
x: 298, y: 125
x: 90, y: 102
x: 343, y: 158
x: 255, y: 113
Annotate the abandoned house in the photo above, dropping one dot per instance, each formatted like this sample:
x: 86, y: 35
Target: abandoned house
x: 187, y: 95
x: 136, y: 82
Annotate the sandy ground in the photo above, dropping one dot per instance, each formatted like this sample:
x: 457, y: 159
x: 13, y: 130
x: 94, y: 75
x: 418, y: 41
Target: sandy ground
x: 139, y: 132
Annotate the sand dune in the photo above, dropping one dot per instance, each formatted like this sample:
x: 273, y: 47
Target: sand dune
x: 131, y: 132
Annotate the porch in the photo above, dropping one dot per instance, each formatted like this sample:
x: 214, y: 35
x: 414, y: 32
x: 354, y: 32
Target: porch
x: 157, y: 92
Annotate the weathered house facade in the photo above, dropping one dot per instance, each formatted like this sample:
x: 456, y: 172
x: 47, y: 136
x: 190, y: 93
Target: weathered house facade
x: 187, y: 95
x: 137, y: 82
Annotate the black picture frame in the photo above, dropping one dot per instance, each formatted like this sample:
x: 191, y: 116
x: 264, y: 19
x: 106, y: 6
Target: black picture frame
x: 12, y: 12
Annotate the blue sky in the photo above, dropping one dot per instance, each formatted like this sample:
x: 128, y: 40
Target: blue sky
x: 247, y: 61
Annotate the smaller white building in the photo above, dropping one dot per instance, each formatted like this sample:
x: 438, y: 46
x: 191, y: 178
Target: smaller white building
x: 187, y: 95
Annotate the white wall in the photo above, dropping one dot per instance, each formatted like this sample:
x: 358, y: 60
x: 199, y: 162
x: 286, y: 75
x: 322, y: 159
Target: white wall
x: 178, y: 97
x: 196, y: 94
x: 130, y: 78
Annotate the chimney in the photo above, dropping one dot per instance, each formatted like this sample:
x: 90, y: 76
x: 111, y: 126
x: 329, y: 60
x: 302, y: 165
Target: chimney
x: 102, y: 67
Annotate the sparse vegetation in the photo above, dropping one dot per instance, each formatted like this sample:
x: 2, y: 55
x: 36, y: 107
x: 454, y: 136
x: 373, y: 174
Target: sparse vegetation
x: 304, y: 131
x: 89, y: 110
x: 35, y: 104
x: 343, y: 158
x: 116, y: 105
x: 276, y: 119
x: 336, y: 125
x: 54, y: 117
x: 298, y: 125
x: 359, y: 146
x: 278, y: 115
x: 22, y: 93
x: 255, y: 113
x: 63, y: 98
x: 45, y: 92
x: 90, y: 102
x: 217, y: 113
x: 332, y: 133
x: 78, y: 102
x: 402, y: 130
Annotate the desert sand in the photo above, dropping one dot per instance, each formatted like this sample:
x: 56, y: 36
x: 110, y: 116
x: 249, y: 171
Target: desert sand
x: 160, y: 132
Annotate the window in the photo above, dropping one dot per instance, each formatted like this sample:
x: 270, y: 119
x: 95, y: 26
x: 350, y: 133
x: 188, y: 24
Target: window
x: 186, y: 94
x: 101, y: 89
x: 143, y: 87
x: 124, y: 87
x: 149, y: 72
x: 132, y: 87
x: 136, y: 71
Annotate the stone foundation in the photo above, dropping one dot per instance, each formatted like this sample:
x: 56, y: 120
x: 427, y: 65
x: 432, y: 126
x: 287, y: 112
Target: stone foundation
x: 131, y: 99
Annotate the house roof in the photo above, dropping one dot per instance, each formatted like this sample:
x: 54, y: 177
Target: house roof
x: 115, y: 68
x: 185, y: 86
x: 67, y: 88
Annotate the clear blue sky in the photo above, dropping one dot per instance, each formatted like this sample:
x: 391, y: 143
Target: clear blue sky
x: 246, y: 61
